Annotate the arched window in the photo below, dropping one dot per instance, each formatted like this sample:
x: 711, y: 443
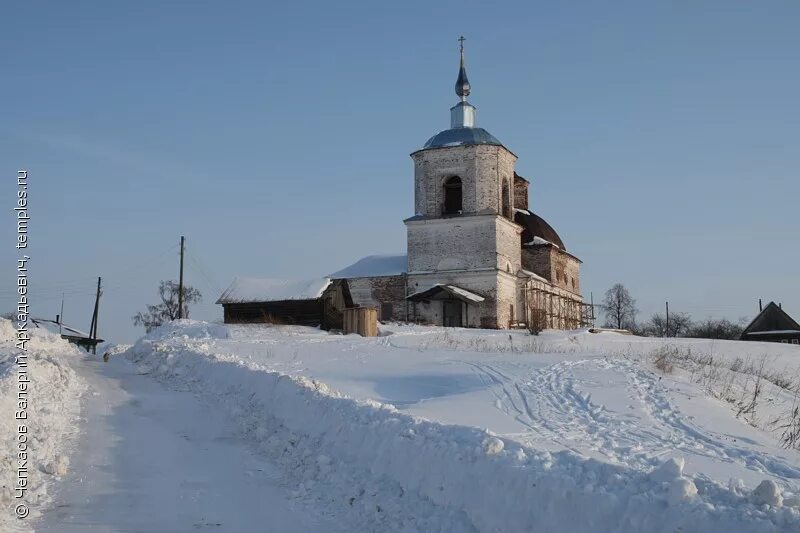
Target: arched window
x: 506, y: 200
x: 452, y: 196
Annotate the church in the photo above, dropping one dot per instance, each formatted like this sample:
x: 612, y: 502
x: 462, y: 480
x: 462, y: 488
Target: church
x: 476, y: 255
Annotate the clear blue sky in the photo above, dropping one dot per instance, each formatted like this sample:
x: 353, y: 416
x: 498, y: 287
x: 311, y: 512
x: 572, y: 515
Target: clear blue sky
x: 661, y: 139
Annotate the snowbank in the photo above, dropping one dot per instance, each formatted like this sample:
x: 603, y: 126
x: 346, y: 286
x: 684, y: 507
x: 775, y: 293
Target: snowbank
x: 393, y: 471
x: 53, y: 408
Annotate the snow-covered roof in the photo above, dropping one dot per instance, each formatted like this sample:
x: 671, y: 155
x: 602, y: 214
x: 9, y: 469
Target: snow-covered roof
x: 533, y: 275
x: 539, y: 240
x: 272, y: 290
x: 777, y: 331
x: 55, y: 327
x: 458, y: 292
x: 375, y: 265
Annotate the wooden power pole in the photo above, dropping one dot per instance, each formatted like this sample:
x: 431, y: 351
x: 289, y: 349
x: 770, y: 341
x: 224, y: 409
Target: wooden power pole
x: 666, y: 333
x: 180, y: 282
x: 93, y: 327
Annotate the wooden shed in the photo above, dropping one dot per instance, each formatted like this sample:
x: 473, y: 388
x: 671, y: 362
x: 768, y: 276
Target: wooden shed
x: 772, y: 324
x: 315, y: 302
x: 70, y: 334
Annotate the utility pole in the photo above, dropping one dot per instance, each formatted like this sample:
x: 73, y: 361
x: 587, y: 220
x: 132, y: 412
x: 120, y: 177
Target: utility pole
x: 667, y: 332
x: 93, y: 327
x: 61, y: 316
x: 180, y: 282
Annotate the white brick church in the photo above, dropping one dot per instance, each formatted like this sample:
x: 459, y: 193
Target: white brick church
x: 477, y: 257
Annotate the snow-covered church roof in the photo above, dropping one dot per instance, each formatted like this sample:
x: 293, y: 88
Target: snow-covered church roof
x: 273, y: 290
x: 373, y: 266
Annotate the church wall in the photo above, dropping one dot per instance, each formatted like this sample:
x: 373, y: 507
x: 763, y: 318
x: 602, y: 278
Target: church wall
x: 564, y: 269
x: 572, y: 269
x: 520, y: 193
x: 379, y: 290
x: 432, y: 168
x: 481, y: 168
x: 504, y: 168
x: 537, y: 260
x: 507, y: 308
x: 457, y: 243
x: 560, y: 268
x: 507, y: 241
x: 483, y: 314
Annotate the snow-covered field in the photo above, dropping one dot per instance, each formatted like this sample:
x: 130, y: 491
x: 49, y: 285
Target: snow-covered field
x: 55, y: 403
x: 426, y: 429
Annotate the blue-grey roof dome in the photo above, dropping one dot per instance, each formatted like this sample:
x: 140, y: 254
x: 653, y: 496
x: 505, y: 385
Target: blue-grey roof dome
x: 461, y: 137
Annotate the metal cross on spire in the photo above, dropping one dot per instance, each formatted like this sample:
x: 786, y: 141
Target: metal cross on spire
x: 462, y: 84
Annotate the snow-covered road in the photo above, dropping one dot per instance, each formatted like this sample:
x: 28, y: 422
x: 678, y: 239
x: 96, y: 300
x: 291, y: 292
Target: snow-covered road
x: 152, y: 459
x: 201, y: 426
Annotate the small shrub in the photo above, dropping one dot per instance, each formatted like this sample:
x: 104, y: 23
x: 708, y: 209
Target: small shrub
x: 663, y: 362
x: 537, y: 321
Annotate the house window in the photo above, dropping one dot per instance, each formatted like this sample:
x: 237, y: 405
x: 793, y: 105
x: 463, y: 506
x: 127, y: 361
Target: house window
x: 795, y: 341
x: 386, y: 311
x: 784, y: 341
x: 453, y: 196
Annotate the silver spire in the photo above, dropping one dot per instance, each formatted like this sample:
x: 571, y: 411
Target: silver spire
x: 462, y: 83
x: 462, y: 115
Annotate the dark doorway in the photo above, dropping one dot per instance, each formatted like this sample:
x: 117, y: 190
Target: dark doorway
x: 451, y: 313
x: 452, y: 196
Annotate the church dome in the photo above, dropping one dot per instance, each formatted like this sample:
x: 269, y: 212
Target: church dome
x: 461, y: 137
x: 535, y: 226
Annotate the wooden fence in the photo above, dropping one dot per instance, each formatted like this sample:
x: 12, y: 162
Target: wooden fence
x: 361, y: 320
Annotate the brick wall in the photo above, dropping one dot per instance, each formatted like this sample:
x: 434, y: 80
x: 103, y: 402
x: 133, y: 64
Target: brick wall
x: 520, y: 193
x: 482, y: 168
x: 553, y: 264
x: 379, y: 290
x: 458, y: 243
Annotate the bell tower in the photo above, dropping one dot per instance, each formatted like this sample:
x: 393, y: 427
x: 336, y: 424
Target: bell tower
x: 463, y: 232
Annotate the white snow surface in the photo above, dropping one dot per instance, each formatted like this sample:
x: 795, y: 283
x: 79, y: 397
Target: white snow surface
x: 375, y: 266
x: 54, y: 406
x: 271, y: 290
x: 540, y: 240
x: 427, y: 429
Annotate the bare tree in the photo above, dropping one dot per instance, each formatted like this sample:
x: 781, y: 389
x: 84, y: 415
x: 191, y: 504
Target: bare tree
x: 680, y: 325
x: 620, y: 307
x: 716, y: 329
x: 168, y: 308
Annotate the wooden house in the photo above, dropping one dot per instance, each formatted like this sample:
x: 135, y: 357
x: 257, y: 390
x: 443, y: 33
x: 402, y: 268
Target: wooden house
x: 315, y: 302
x: 772, y: 324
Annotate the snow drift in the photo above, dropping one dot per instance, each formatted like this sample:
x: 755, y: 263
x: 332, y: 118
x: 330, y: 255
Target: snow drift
x: 54, y: 406
x: 385, y: 469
